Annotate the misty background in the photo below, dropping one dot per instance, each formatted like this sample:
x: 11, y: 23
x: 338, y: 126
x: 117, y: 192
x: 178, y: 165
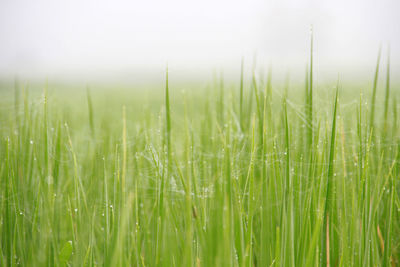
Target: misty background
x: 100, y: 40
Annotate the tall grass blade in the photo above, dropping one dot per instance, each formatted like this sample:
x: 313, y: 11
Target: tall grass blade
x: 90, y: 110
x: 373, y: 97
x: 387, y: 94
x: 329, y: 186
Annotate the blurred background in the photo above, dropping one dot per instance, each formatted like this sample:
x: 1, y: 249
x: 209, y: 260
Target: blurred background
x: 133, y: 40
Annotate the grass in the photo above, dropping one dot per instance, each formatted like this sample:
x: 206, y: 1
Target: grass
x: 245, y: 174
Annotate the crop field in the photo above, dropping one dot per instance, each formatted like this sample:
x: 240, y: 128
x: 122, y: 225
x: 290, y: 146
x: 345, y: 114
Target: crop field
x: 242, y: 172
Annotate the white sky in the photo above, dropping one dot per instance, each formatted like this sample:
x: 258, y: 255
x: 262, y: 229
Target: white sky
x: 51, y: 37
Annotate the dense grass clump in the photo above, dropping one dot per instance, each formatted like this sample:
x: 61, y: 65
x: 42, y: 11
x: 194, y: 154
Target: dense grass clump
x: 246, y: 175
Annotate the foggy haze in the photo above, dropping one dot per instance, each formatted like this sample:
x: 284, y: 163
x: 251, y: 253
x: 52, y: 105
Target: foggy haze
x: 109, y: 38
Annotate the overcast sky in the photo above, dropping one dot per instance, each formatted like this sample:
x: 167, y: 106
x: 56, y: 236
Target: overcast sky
x: 49, y: 37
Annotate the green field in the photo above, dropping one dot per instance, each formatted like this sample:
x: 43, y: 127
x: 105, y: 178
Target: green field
x: 244, y: 172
